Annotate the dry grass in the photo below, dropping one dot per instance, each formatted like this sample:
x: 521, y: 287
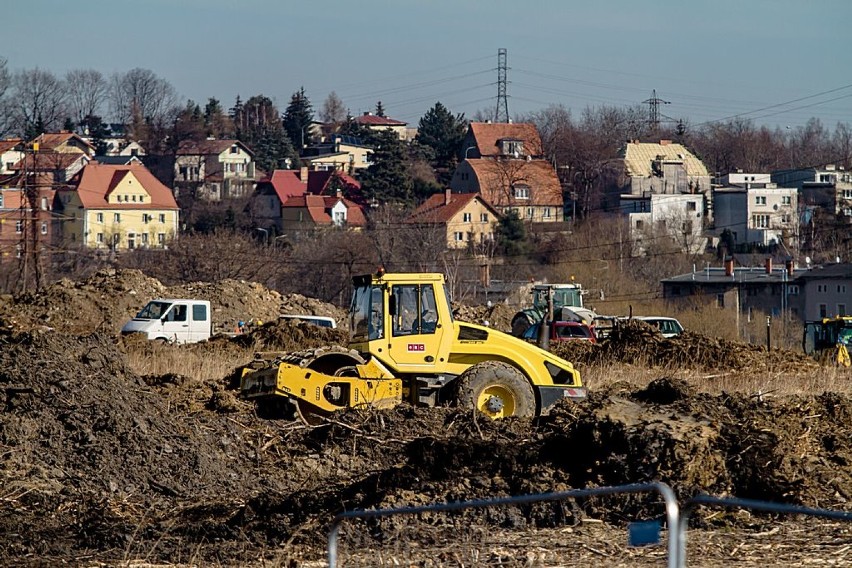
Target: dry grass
x: 781, y: 382
x: 209, y: 362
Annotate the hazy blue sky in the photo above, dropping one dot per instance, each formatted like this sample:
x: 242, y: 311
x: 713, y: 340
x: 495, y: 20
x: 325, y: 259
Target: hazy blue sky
x: 710, y: 59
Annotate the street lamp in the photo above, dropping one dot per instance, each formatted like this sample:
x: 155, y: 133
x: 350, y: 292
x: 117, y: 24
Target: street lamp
x: 265, y: 234
x: 468, y: 149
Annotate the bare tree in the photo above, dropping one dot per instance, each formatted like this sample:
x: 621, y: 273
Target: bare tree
x: 6, y: 110
x: 333, y: 110
x: 38, y: 99
x: 140, y: 94
x: 87, y: 92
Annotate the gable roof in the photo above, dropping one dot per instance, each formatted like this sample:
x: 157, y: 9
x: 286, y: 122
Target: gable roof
x: 98, y: 180
x: 436, y: 209
x: 9, y: 144
x: 318, y: 207
x: 52, y: 140
x: 368, y: 119
x: 494, y: 177
x: 207, y: 147
x: 285, y: 184
x: 49, y: 161
x: 117, y: 160
x: 638, y: 157
x: 488, y: 134
x: 319, y: 180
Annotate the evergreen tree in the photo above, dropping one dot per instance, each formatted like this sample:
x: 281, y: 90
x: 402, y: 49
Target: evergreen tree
x: 69, y: 124
x: 215, y: 120
x: 98, y: 131
x: 387, y: 179
x: 511, y: 234
x: 442, y: 132
x: 258, y: 125
x: 237, y: 115
x: 366, y: 136
x: 380, y: 110
x: 298, y: 118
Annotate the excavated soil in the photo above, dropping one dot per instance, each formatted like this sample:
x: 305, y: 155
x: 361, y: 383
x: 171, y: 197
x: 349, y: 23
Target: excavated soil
x: 101, y: 466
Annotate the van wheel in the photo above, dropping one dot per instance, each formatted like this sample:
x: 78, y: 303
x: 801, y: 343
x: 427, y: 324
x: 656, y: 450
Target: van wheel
x: 496, y: 389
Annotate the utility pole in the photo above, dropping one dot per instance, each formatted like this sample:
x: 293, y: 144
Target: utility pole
x: 502, y: 112
x: 654, y: 110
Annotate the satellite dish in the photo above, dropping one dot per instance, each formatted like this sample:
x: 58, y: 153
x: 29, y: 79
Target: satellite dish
x: 808, y: 260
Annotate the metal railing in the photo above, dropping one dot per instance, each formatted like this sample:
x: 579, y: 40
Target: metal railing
x: 672, y: 514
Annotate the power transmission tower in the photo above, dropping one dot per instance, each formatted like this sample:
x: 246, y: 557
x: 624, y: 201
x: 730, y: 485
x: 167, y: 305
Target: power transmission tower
x: 502, y: 112
x: 654, y: 110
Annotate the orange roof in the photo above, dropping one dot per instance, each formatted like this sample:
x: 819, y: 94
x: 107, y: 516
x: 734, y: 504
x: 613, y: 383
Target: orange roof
x: 319, y: 206
x: 51, y: 140
x: 496, y: 178
x: 98, y: 180
x: 436, y: 209
x: 9, y: 144
x: 50, y: 161
x: 207, y: 147
x: 376, y: 120
x: 487, y: 135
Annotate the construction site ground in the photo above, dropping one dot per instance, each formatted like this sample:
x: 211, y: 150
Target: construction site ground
x: 103, y: 463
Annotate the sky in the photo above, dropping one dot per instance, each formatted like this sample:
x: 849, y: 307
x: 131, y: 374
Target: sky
x: 777, y: 62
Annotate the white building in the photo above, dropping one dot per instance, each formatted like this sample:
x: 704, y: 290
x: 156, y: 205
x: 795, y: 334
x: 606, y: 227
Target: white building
x: 658, y: 219
x: 765, y: 215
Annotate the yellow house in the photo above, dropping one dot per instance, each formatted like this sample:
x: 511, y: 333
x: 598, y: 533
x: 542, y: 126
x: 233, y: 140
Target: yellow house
x: 117, y: 207
x: 467, y: 218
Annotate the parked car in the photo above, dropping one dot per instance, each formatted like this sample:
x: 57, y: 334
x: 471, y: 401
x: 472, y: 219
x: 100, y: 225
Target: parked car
x: 172, y: 321
x: 669, y: 327
x: 563, y: 331
x: 321, y: 321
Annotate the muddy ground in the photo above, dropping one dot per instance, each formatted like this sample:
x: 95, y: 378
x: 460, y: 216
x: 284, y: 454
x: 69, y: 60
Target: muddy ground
x: 101, y: 466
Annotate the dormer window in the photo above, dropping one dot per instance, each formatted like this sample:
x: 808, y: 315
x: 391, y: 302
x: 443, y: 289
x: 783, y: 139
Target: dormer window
x: 512, y: 147
x: 235, y: 149
x: 521, y: 191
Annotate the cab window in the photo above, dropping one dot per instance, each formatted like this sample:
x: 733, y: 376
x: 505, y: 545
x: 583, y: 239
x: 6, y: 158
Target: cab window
x: 415, y: 310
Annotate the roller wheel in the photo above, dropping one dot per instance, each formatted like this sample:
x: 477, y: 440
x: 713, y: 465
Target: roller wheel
x: 497, y: 390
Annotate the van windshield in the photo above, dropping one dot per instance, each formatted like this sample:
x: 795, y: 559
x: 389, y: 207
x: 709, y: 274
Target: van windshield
x: 154, y: 310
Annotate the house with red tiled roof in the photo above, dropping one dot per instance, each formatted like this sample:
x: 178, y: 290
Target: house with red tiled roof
x: 306, y: 213
x: 503, y: 162
x: 467, y: 219
x: 274, y: 191
x: 63, y: 142
x: 376, y: 122
x: 342, y: 152
x: 18, y: 213
x: 11, y: 152
x: 116, y: 207
x: 214, y: 169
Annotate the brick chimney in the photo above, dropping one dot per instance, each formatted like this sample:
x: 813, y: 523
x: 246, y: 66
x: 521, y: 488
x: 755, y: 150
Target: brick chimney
x: 303, y: 174
x: 789, y: 267
x: 448, y: 196
x: 768, y: 265
x: 729, y: 266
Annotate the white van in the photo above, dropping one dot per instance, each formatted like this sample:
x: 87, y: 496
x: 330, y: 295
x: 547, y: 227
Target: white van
x: 173, y: 321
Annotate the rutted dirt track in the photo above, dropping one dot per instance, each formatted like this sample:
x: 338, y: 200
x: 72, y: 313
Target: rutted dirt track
x: 100, y: 465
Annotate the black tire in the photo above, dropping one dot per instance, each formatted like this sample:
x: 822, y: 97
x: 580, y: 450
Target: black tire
x: 496, y: 389
x: 520, y: 323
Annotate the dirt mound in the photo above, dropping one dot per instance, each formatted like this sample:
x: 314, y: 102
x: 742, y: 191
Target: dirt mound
x: 99, y: 462
x: 637, y: 343
x: 498, y: 316
x: 108, y: 299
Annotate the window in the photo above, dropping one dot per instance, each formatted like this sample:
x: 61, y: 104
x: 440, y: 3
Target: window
x: 793, y: 290
x: 546, y: 213
x: 760, y: 200
x: 99, y: 238
x: 162, y: 217
x: 133, y: 198
x: 144, y: 239
x: 100, y: 217
x: 339, y: 218
x: 760, y: 221
x: 44, y: 227
x: 199, y: 312
x: 141, y: 198
x: 145, y: 217
x: 483, y: 217
x: 521, y: 192
x: 161, y: 238
x: 467, y: 217
x: 691, y: 206
x: 826, y: 178
x: 458, y: 236
x: 529, y: 212
x: 177, y: 313
x: 131, y: 240
x: 117, y: 217
x: 841, y: 289
x: 720, y: 300
x: 841, y: 309
x: 823, y: 311
x: 19, y: 226
x: 640, y: 224
x: 416, y: 312
x: 44, y: 203
x: 847, y: 194
x: 1, y: 200
x: 786, y: 200
x: 235, y: 149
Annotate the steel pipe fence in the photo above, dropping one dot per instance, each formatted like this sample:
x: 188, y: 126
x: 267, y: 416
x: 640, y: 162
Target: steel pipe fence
x: 671, y: 511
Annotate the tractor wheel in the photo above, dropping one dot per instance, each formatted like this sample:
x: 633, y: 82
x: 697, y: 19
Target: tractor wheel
x: 496, y: 389
x: 520, y: 323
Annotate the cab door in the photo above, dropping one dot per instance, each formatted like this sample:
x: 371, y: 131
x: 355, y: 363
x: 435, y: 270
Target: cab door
x: 415, y: 331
